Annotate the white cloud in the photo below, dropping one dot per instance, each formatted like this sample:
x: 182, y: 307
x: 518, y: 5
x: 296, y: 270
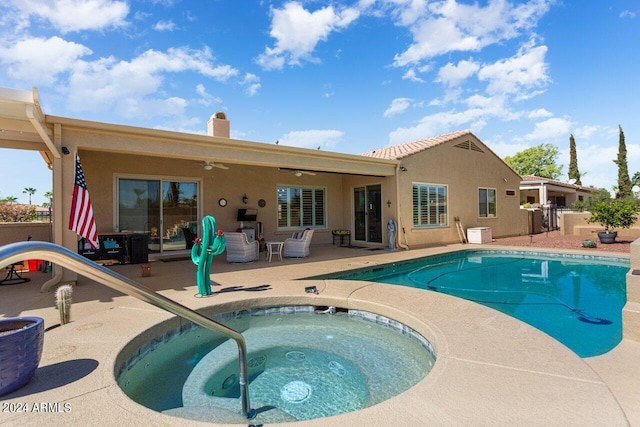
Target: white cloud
x: 40, y: 61
x: 398, y: 106
x: 430, y: 126
x: 504, y: 148
x: 523, y: 71
x: 312, y: 138
x: 627, y: 14
x: 442, y: 27
x: 110, y: 83
x: 76, y: 15
x: 327, y: 91
x: 205, y: 97
x: 253, y: 84
x: 550, y: 129
x: 453, y: 75
x: 585, y: 132
x: 539, y: 113
x: 298, y: 31
x: 165, y: 26
x: 411, y: 75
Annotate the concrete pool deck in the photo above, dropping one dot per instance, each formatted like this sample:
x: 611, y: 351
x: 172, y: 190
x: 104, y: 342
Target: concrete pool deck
x: 491, y: 369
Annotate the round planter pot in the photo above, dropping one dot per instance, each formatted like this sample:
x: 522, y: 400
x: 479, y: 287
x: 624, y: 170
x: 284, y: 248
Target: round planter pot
x: 607, y: 237
x: 21, y: 340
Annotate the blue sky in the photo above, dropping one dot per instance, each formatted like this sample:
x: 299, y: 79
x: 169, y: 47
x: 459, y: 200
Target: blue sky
x: 345, y: 76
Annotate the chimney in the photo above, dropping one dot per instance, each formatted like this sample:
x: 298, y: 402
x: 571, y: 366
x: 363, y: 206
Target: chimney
x: 218, y: 125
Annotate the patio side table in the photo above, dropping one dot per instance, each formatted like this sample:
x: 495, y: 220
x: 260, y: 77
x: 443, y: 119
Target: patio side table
x: 274, y: 247
x: 341, y: 234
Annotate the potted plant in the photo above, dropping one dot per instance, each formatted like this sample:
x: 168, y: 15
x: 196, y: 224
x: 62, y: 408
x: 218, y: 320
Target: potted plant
x: 613, y: 214
x: 21, y: 340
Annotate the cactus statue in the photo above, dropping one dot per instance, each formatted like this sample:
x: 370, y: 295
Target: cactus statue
x: 212, y: 243
x: 63, y: 302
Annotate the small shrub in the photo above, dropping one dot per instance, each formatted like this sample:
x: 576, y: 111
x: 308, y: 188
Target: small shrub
x: 578, y: 206
x: 17, y: 213
x: 618, y: 213
x: 589, y: 243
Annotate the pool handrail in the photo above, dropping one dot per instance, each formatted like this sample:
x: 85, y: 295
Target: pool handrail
x: 21, y: 251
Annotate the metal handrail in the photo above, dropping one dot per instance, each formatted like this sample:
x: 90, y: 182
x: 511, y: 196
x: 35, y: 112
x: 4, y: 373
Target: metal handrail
x: 16, y: 252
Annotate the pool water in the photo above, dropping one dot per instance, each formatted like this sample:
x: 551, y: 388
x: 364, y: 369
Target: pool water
x: 578, y: 300
x: 300, y: 366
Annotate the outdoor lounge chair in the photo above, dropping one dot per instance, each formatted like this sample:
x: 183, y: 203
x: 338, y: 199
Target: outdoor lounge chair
x: 297, y: 246
x: 239, y: 249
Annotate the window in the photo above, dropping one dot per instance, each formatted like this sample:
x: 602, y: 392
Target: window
x: 487, y: 205
x: 429, y: 205
x: 301, y: 207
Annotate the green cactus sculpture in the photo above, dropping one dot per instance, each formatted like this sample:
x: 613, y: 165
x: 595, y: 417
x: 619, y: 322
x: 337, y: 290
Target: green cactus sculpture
x: 212, y: 243
x: 63, y: 302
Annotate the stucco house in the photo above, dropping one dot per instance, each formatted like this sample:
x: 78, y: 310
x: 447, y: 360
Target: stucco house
x: 160, y: 184
x: 537, y: 190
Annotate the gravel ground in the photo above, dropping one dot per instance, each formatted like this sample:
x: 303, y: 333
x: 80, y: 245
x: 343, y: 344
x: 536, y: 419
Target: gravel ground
x: 554, y: 239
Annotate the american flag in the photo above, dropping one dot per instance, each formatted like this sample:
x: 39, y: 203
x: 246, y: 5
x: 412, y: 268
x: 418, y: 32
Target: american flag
x: 81, y: 218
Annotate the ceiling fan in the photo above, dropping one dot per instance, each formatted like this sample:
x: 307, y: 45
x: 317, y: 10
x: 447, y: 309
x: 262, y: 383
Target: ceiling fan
x: 298, y: 172
x: 210, y: 165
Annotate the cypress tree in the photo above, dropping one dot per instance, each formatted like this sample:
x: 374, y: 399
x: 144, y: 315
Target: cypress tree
x: 574, y: 173
x: 624, y: 183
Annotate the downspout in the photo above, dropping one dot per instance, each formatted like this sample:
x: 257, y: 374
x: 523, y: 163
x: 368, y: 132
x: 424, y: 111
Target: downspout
x: 404, y: 245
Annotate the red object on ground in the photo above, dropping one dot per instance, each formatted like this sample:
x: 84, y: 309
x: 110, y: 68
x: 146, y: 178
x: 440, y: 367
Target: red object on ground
x: 34, y: 264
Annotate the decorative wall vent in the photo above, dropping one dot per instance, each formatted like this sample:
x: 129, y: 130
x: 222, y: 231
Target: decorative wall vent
x: 469, y: 145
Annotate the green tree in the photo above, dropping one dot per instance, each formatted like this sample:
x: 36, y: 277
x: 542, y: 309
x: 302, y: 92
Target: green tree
x: 9, y: 200
x: 624, y: 183
x: 539, y: 161
x: 30, y: 191
x: 49, y: 196
x: 574, y: 173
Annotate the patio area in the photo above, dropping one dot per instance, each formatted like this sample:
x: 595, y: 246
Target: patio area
x: 491, y: 368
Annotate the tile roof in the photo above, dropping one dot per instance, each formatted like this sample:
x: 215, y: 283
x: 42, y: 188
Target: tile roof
x: 401, y: 151
x: 533, y: 178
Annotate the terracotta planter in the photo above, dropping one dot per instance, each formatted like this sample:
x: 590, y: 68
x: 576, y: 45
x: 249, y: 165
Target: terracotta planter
x: 21, y: 340
x: 607, y: 237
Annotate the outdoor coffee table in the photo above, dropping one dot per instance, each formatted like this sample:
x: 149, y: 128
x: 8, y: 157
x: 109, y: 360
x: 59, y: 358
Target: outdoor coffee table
x: 274, y: 247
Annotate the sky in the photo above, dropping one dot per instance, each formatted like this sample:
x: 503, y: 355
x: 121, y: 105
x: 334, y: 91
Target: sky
x: 345, y: 76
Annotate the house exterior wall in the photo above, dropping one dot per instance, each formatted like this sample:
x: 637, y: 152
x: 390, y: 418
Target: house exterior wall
x: 101, y: 170
x: 107, y: 151
x: 463, y: 171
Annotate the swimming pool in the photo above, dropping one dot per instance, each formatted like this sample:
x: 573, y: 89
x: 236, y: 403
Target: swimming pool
x: 577, y: 299
x: 302, y: 365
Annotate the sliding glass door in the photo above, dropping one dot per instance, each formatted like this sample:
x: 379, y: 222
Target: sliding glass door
x: 367, y: 214
x: 166, y: 211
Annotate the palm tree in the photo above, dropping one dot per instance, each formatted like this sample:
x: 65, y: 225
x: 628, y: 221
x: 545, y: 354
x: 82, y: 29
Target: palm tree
x: 30, y: 191
x: 9, y: 199
x: 48, y: 195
